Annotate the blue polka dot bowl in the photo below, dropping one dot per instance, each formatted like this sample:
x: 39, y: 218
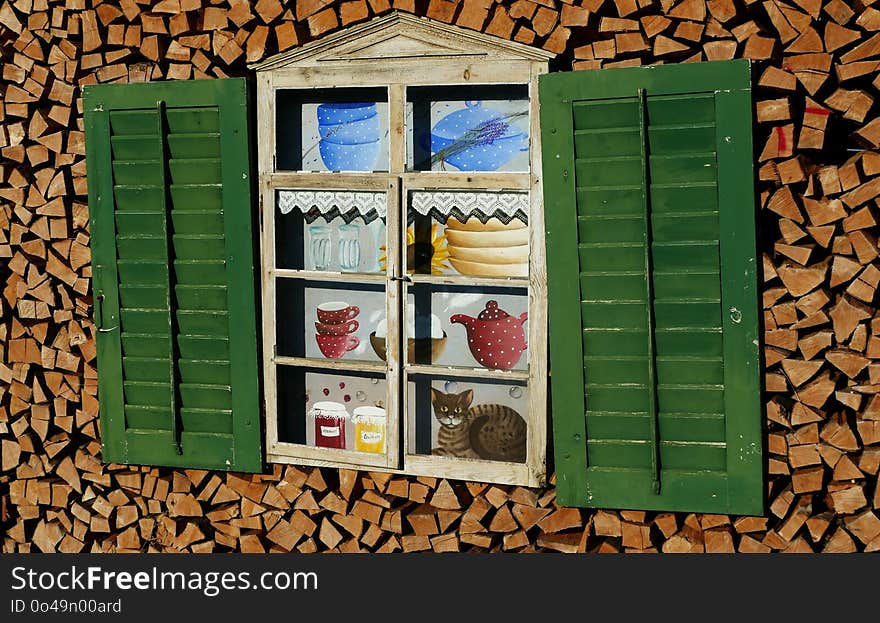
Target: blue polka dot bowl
x: 351, y: 157
x: 345, y: 112
x: 364, y: 130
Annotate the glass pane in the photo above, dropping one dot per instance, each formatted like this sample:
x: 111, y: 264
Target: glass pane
x: 467, y: 418
x: 329, y: 320
x: 468, y: 128
x: 340, y: 410
x: 324, y: 238
x: 332, y: 129
x: 458, y: 326
x: 473, y: 244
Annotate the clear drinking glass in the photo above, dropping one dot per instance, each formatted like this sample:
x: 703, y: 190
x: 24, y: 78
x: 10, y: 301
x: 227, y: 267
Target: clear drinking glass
x: 349, y: 247
x: 320, y: 246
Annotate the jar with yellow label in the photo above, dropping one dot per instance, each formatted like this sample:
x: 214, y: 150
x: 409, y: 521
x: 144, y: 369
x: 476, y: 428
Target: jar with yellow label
x: 369, y: 429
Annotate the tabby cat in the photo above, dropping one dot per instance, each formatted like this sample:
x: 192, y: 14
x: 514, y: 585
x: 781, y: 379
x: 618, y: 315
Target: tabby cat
x: 491, y: 432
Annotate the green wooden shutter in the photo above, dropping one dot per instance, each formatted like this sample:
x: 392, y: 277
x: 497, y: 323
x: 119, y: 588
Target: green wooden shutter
x: 169, y: 196
x: 649, y: 209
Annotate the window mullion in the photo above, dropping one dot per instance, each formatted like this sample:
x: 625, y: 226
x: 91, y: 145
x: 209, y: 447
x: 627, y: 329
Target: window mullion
x: 393, y: 301
x: 397, y: 128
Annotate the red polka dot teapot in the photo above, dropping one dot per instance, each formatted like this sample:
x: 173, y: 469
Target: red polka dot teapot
x: 497, y: 340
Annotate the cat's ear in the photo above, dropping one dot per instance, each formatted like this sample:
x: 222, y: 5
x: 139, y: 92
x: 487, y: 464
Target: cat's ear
x: 435, y: 395
x: 468, y: 396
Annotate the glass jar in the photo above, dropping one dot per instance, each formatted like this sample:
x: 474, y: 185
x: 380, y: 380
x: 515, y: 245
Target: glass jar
x: 369, y: 429
x: 320, y: 246
x: 330, y: 418
x: 349, y: 247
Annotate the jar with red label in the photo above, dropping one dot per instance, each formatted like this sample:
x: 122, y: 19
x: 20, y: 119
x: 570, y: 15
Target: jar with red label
x: 330, y: 419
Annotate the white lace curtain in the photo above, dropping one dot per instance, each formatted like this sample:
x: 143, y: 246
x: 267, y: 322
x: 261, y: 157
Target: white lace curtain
x: 439, y: 204
x: 462, y: 204
x: 340, y: 202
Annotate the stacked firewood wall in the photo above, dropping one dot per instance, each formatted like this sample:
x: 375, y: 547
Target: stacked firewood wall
x: 817, y: 136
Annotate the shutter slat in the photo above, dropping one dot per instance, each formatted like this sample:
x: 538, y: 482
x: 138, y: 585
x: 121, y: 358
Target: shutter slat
x: 143, y: 248
x: 609, y: 200
x: 172, y: 243
x: 609, y: 172
x: 689, y: 283
x: 193, y: 420
x: 674, y: 455
x: 192, y: 120
x: 197, y: 196
x: 199, y: 247
x: 138, y: 147
x: 137, y: 198
x: 681, y: 109
x: 678, y: 139
x: 689, y: 341
x: 205, y: 371
x: 194, y: 323
x: 154, y: 322
x: 602, y: 206
x: 140, y: 173
x: 195, y: 171
x: 144, y: 368
x: 192, y: 370
x: 707, y: 427
x: 200, y: 272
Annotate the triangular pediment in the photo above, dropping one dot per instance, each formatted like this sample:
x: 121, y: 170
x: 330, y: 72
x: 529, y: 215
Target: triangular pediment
x: 398, y: 36
x: 397, y: 46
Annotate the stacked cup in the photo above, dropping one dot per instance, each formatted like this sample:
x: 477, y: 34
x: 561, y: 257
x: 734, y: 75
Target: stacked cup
x: 350, y: 136
x: 336, y: 322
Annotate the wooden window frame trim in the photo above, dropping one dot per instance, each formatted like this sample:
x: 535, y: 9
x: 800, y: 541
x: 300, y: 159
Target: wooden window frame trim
x: 396, y: 76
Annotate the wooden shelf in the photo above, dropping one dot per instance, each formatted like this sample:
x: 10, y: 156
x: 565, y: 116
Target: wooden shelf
x: 449, y: 280
x: 465, y: 280
x: 376, y: 181
x: 332, y: 364
x: 319, y: 275
x: 455, y: 180
x: 285, y: 452
x: 457, y: 372
x: 415, y: 180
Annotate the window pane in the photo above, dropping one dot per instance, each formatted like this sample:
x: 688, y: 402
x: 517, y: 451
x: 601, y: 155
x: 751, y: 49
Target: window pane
x: 326, y: 320
x: 330, y: 231
x: 468, y: 128
x: 485, y: 328
x: 332, y: 130
x: 344, y: 411
x: 472, y: 233
x: 473, y: 248
x: 468, y: 418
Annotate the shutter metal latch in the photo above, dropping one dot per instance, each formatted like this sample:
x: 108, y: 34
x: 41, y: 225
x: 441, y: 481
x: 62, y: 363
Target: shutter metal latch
x: 99, y: 314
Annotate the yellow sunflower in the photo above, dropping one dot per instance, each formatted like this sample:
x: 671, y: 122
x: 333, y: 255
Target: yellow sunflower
x: 421, y: 256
